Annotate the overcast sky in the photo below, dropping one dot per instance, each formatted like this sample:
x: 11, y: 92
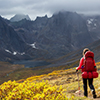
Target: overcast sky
x: 8, y: 8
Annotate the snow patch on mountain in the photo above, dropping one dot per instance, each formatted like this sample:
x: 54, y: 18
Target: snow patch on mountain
x: 15, y: 53
x: 90, y: 21
x: 7, y: 51
x: 95, y: 24
x: 33, y: 45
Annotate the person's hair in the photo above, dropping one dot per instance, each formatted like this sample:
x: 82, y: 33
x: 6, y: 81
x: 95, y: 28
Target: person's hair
x: 85, y: 50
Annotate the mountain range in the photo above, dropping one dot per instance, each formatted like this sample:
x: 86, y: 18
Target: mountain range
x: 48, y: 38
x: 12, y: 47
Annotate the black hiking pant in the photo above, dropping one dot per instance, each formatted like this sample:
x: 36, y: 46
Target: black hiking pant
x: 90, y: 83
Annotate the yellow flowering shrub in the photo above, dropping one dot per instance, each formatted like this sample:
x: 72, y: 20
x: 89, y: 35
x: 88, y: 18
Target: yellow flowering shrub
x: 28, y: 90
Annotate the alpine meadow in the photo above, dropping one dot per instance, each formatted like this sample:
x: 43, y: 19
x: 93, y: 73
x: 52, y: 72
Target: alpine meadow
x: 38, y: 58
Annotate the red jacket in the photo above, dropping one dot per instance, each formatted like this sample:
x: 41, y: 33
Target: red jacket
x: 81, y: 64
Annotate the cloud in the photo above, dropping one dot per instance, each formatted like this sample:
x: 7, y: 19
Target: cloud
x: 34, y: 8
x: 75, y: 5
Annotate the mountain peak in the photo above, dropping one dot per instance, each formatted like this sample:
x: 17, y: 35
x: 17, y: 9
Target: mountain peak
x: 19, y: 17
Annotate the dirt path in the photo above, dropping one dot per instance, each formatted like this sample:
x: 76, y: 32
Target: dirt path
x: 81, y: 95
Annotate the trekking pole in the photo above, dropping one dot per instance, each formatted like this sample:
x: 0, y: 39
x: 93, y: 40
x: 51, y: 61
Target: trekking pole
x: 78, y: 83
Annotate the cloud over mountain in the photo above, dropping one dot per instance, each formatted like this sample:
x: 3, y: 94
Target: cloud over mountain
x: 41, y: 7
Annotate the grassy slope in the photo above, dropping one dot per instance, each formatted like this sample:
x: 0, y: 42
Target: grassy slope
x: 7, y: 68
x: 68, y: 79
x: 17, y: 72
x: 65, y: 77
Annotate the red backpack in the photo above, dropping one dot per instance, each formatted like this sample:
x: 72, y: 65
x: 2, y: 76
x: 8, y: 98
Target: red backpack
x: 89, y: 71
x: 89, y: 61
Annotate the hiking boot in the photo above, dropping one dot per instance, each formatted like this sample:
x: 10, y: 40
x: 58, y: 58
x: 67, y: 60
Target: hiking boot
x: 85, y: 95
x: 94, y: 95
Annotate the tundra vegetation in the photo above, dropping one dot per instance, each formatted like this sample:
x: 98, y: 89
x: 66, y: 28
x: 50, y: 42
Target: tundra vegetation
x: 59, y: 84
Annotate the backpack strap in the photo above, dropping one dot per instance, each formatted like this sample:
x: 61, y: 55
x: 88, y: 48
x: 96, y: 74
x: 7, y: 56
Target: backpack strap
x: 83, y: 66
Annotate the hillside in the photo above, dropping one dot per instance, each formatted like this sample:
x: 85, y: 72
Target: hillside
x: 57, y: 85
x: 13, y: 48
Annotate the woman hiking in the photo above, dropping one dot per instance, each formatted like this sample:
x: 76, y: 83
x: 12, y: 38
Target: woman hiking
x: 84, y: 70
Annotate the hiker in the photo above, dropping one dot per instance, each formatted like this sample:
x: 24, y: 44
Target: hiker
x: 86, y: 77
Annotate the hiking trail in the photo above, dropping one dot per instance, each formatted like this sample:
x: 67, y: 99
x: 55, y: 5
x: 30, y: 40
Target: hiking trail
x: 82, y: 95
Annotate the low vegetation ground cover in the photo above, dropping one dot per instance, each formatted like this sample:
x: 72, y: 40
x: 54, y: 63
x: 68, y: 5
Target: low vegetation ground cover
x: 57, y: 85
